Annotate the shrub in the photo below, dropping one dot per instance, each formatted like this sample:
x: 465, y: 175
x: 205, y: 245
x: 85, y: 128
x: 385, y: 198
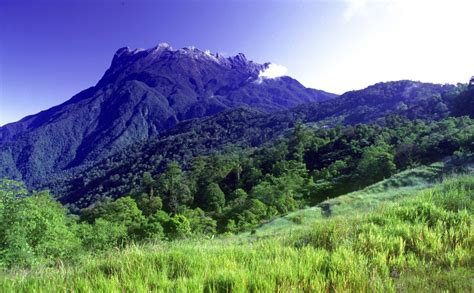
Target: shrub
x: 34, y: 230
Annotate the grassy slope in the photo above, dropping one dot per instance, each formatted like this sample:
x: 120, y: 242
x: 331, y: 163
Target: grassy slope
x: 420, y: 242
x: 397, y: 187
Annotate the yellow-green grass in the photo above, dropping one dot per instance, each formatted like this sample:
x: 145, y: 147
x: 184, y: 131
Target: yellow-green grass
x: 420, y: 243
x: 395, y: 188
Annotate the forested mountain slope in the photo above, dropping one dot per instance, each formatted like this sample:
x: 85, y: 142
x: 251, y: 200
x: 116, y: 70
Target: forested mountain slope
x: 143, y: 93
x: 245, y: 127
x: 160, y: 105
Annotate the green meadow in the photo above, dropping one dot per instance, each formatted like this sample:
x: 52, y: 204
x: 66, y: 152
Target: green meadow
x: 421, y: 240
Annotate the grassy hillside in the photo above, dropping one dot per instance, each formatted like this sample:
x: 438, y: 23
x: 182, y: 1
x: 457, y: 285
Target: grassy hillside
x: 399, y: 186
x: 423, y: 241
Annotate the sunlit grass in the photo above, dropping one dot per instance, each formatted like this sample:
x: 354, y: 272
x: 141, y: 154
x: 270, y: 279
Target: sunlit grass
x: 422, y: 242
x: 399, y: 186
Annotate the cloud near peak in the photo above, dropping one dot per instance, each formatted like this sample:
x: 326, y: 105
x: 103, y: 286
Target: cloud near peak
x: 272, y: 71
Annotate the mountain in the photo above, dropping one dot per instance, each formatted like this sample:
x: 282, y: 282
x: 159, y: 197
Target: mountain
x: 411, y: 99
x: 161, y: 104
x: 142, y: 94
x: 246, y: 127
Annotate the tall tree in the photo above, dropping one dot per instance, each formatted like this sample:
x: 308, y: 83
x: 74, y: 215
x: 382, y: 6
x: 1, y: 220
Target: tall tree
x: 173, y: 188
x: 215, y: 197
x: 376, y: 164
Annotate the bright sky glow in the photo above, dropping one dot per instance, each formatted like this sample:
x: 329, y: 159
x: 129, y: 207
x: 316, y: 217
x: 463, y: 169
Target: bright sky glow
x: 427, y: 40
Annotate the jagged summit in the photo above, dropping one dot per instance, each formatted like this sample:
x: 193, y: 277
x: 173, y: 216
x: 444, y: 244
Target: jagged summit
x: 124, y: 56
x: 161, y: 47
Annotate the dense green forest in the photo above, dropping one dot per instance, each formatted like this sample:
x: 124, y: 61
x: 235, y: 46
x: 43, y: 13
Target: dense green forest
x: 210, y: 199
x: 114, y: 176
x: 247, y: 128
x: 228, y: 192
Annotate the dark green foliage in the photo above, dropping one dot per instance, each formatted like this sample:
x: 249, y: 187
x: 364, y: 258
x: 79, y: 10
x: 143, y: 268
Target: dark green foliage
x: 149, y: 204
x: 102, y: 235
x: 246, y: 127
x: 200, y: 223
x: 215, y: 197
x: 150, y: 197
x: 33, y: 229
x: 239, y: 189
x: 282, y: 193
x: 112, y: 176
x: 172, y: 187
x: 463, y: 104
x: 376, y: 164
x: 178, y: 226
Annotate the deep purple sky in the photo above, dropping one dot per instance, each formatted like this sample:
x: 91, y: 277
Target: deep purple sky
x: 52, y: 49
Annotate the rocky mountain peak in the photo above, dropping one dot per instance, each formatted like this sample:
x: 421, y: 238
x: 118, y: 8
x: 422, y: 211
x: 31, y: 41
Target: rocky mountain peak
x: 142, y: 94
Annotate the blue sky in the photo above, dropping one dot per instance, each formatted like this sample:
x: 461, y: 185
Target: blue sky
x: 50, y: 50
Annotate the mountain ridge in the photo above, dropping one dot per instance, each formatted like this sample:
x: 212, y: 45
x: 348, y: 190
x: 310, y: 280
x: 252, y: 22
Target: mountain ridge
x: 143, y: 93
x: 248, y: 128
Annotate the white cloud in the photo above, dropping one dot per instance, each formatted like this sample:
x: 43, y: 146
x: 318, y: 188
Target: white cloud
x: 273, y: 71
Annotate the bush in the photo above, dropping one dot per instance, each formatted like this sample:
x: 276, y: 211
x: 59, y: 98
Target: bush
x: 178, y: 227
x: 103, y: 235
x: 34, y: 230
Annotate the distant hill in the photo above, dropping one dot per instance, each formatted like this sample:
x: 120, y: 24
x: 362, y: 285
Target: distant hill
x: 246, y: 127
x: 411, y: 99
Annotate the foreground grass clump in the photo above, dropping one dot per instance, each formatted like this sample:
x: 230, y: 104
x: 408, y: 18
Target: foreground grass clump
x: 424, y: 242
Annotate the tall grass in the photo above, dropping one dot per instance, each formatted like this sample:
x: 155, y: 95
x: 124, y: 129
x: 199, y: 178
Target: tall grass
x: 399, y: 186
x: 424, y: 242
